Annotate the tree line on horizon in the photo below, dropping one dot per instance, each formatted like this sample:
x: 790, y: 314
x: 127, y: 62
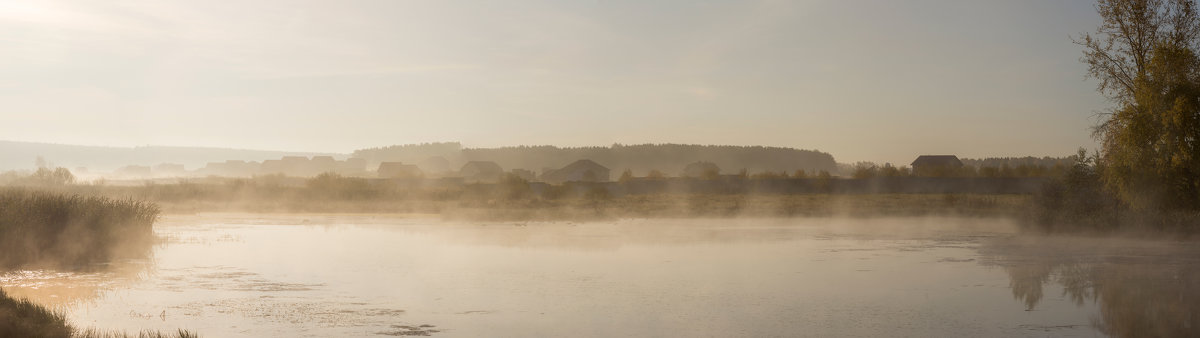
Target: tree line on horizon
x: 641, y: 158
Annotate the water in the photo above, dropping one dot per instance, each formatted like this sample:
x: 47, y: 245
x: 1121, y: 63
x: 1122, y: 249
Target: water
x: 322, y: 276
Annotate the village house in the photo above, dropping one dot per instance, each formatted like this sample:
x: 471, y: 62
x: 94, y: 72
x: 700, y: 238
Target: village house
x: 481, y: 171
x: 169, y: 170
x: 353, y: 166
x: 320, y: 164
x: 435, y: 164
x: 300, y: 166
x: 578, y: 171
x: 398, y: 170
x: 701, y: 169
x: 524, y: 174
x: 133, y: 171
x: 935, y: 165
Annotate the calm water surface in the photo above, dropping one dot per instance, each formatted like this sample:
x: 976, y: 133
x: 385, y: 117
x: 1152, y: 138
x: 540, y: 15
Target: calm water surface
x: 323, y: 276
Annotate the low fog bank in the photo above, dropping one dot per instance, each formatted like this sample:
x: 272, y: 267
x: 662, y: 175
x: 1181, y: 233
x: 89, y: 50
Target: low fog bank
x: 517, y: 199
x: 607, y: 235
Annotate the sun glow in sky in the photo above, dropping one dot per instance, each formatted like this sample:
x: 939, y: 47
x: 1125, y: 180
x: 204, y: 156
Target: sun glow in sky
x: 864, y: 80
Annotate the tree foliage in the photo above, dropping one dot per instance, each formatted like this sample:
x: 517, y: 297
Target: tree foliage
x: 1144, y: 58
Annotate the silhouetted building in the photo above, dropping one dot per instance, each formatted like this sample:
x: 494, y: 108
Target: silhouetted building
x: 701, y: 170
x: 138, y: 171
x: 398, y: 170
x: 231, y: 168
x: 272, y: 167
x: 436, y: 164
x: 481, y: 171
x: 527, y: 175
x: 300, y: 166
x: 320, y: 164
x: 578, y: 171
x: 935, y: 165
x: 169, y: 169
x: 352, y: 166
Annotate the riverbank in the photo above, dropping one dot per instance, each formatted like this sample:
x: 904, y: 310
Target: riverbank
x: 68, y: 232
x: 23, y: 318
x: 636, y: 206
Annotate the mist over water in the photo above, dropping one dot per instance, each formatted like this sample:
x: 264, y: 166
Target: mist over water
x: 600, y: 169
x: 241, y: 275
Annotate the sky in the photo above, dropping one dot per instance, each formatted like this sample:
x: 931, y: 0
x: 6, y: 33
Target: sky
x: 880, y: 81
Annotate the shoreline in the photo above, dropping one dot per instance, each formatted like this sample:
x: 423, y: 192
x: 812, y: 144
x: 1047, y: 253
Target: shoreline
x: 632, y: 206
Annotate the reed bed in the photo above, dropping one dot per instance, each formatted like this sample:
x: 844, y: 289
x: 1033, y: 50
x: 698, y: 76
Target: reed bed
x: 49, y: 229
x: 22, y: 318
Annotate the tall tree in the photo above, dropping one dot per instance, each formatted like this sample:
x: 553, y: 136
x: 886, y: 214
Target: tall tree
x: 1144, y: 58
x: 1118, y: 51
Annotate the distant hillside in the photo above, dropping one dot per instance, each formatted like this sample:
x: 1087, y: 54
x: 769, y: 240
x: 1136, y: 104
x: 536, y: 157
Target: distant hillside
x: 668, y: 158
x: 21, y: 155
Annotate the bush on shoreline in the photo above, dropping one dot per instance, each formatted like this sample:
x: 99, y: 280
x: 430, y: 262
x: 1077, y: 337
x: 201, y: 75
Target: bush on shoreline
x: 1081, y: 202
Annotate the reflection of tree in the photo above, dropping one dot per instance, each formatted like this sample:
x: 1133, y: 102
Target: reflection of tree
x: 1148, y: 300
x: 1141, y: 291
x: 1026, y: 282
x: 1076, y: 280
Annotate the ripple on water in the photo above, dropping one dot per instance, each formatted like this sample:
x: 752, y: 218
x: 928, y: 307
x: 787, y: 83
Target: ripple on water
x: 292, y: 311
x: 225, y: 278
x: 410, y: 330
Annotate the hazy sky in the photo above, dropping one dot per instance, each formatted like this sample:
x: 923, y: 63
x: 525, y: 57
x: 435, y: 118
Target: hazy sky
x: 863, y: 80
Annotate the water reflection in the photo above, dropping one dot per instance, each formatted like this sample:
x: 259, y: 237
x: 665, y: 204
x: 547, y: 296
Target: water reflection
x: 361, y: 275
x: 64, y: 288
x: 1142, y: 288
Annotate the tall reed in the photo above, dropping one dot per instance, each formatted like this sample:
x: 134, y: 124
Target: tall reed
x: 65, y: 230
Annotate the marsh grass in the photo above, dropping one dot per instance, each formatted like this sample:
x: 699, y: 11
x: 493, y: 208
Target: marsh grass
x: 22, y: 318
x: 67, y: 230
x: 93, y: 333
x: 49, y: 229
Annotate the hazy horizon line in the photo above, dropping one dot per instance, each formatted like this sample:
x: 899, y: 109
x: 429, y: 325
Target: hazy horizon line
x: 347, y: 153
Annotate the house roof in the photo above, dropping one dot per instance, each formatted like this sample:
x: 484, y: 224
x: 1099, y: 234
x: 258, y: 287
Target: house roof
x: 394, y: 166
x: 701, y: 166
x: 582, y: 165
x: 483, y: 166
x: 937, y: 161
x: 577, y: 166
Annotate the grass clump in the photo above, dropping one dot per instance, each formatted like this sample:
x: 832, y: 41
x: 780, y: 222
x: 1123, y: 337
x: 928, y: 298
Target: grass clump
x: 22, y: 318
x: 93, y: 333
x: 61, y: 230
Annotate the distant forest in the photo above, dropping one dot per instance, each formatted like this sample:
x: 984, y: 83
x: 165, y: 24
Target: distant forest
x: 1015, y: 162
x: 641, y: 159
x: 411, y: 153
x: 22, y: 156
